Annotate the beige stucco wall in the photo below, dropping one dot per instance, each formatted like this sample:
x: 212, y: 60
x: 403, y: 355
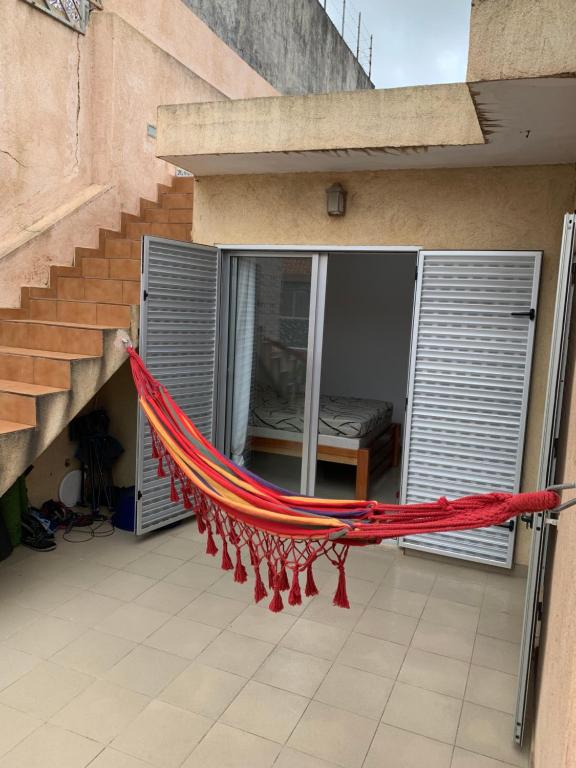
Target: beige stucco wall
x: 76, y: 109
x: 521, y: 38
x: 489, y: 208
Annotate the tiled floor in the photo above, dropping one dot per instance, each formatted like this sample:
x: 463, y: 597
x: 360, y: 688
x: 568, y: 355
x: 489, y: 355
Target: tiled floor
x: 139, y: 653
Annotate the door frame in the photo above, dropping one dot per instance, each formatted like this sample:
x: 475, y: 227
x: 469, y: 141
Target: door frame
x: 319, y: 255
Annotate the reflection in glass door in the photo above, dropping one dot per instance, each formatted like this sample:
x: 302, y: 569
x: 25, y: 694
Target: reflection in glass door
x: 267, y: 365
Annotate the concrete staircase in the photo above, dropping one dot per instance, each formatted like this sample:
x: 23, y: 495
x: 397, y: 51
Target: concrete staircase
x: 57, y: 349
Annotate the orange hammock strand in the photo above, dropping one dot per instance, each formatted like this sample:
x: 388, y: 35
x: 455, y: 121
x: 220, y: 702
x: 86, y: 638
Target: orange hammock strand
x: 284, y: 532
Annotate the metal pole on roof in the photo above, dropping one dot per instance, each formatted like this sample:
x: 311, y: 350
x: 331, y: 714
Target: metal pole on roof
x: 358, y: 38
x: 324, y: 4
x: 343, y: 15
x: 370, y: 58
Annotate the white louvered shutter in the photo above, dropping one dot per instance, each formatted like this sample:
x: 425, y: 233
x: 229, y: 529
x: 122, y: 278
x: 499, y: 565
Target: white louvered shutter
x: 178, y: 343
x: 468, y: 388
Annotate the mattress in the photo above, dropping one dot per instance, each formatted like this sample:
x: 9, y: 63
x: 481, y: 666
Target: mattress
x: 339, y: 416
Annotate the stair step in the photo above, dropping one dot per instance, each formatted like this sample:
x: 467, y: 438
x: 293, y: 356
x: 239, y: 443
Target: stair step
x: 117, y: 268
x: 177, y: 200
x: 53, y: 335
x: 171, y: 231
x: 99, y: 290
x: 20, y: 408
x: 123, y: 249
x: 6, y: 427
x: 183, y: 183
x: 31, y: 390
x: 90, y: 312
x: 169, y: 215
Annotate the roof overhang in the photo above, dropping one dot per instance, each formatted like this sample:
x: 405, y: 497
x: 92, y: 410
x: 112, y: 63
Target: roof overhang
x: 506, y: 122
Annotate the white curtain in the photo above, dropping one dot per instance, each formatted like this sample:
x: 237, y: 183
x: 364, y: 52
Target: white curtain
x: 243, y: 356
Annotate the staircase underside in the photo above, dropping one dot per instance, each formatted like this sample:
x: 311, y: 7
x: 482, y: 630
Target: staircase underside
x: 59, y: 347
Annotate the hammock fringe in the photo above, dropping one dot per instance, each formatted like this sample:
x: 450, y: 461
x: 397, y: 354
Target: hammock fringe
x: 289, y: 533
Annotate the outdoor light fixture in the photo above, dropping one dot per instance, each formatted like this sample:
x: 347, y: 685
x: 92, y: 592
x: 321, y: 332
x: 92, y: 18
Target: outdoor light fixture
x: 335, y: 200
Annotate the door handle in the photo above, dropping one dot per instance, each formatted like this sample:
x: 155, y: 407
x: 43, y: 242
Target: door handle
x: 531, y: 313
x: 510, y: 525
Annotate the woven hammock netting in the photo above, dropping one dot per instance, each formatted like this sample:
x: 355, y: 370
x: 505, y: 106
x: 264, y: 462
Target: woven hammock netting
x: 279, y: 536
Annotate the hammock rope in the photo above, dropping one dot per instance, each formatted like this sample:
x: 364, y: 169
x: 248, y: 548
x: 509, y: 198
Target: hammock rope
x: 287, y: 533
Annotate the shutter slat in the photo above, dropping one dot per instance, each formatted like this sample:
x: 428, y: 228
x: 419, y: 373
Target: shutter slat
x: 468, y: 389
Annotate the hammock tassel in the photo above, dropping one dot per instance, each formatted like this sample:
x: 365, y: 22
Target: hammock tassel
x: 271, y: 576
x: 295, y: 596
x: 259, y: 588
x: 186, y: 500
x: 311, y: 589
x: 211, y: 548
x: 226, y: 564
x: 173, y: 492
x: 200, y: 522
x: 284, y: 585
x: 276, y: 604
x: 340, y: 596
x: 240, y: 575
x: 160, y: 471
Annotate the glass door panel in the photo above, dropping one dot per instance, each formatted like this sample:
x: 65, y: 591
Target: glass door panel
x: 267, y: 365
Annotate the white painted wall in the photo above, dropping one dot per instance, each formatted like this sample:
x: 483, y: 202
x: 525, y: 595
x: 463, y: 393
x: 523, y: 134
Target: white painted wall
x: 367, y: 327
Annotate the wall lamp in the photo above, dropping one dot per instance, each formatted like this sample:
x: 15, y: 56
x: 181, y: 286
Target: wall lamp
x: 336, y: 200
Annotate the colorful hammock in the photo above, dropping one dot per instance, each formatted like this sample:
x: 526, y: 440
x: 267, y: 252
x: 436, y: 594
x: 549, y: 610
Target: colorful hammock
x: 287, y: 532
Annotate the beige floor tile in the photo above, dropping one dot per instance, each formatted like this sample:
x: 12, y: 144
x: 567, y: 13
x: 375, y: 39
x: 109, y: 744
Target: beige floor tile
x: 226, y: 747
x: 87, y: 608
x: 365, y: 565
x: 435, y: 673
x: 182, y: 637
x: 111, y: 758
x: 14, y: 727
x: 457, y: 591
x: 265, y: 711
x: 225, y: 586
x: 188, y: 529
x: 489, y: 732
x: 409, y: 580
x: 214, y: 610
x: 40, y: 595
x: 45, y: 636
x: 464, y: 759
x: 451, y: 614
x: 93, y: 652
x: 373, y: 655
x: 146, y: 670
x: 153, y: 565
x: 501, y: 625
x: 293, y: 671
x: 492, y: 688
x: 465, y: 572
x: 101, y: 712
x: 425, y: 712
x: 15, y: 617
x: 235, y: 653
x: 291, y: 758
x: 84, y: 574
x: 356, y: 691
x: 387, y: 625
x: 446, y: 641
x: 496, y: 654
x: 204, y: 690
x: 123, y: 585
x: 170, y: 598
x: 162, y: 735
x: 497, y: 599
x: 133, y: 622
x: 333, y: 735
x: 359, y: 591
x: 14, y: 664
x: 51, y: 747
x: 118, y: 555
x: 397, y: 748
x: 316, y: 639
x: 263, y: 625
x: 45, y: 690
x: 323, y: 610
x: 179, y: 548
x: 399, y: 601
x: 194, y: 575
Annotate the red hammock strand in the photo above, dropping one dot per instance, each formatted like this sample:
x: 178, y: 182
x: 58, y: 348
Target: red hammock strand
x: 278, y: 541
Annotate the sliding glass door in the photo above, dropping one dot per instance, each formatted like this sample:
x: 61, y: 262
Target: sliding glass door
x: 271, y: 330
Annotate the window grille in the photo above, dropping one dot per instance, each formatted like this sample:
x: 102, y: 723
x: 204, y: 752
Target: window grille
x: 73, y: 13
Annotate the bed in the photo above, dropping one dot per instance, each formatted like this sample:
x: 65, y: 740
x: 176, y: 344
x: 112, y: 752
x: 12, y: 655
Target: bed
x: 351, y: 430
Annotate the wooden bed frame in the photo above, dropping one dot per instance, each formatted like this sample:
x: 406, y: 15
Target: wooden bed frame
x: 370, y: 461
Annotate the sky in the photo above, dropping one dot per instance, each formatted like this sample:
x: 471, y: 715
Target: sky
x: 416, y: 42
